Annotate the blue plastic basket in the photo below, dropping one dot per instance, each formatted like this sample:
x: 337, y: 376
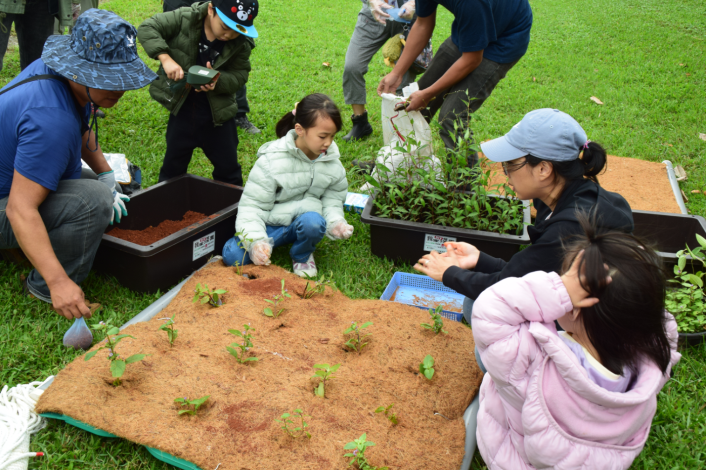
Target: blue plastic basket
x: 413, y: 289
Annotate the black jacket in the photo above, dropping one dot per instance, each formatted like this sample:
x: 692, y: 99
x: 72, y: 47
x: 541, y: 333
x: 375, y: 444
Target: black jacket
x: 546, y: 252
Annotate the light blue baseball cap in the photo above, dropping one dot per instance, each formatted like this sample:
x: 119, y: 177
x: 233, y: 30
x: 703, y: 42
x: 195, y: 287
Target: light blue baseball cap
x: 545, y: 133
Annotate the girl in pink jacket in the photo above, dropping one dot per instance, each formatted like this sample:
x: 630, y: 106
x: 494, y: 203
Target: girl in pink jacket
x: 583, y: 398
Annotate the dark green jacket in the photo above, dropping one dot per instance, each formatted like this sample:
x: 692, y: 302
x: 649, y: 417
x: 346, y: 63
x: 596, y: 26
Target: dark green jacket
x: 178, y: 33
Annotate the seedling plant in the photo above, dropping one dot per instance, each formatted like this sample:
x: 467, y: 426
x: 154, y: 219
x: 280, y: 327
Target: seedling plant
x: 358, y: 447
x: 241, y: 240
x: 276, y: 301
x: 686, y: 303
x: 318, y: 287
x: 324, y: 373
x: 438, y: 325
x: 392, y: 417
x: 291, y: 428
x: 426, y: 367
x: 356, y: 342
x: 185, y: 402
x: 169, y: 328
x: 112, y: 338
x: 212, y: 296
x: 245, y: 347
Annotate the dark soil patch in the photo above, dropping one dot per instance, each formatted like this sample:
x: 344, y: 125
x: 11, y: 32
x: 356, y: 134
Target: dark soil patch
x: 154, y: 234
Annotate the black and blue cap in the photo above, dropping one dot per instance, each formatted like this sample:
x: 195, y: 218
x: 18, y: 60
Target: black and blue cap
x: 238, y: 15
x: 100, y: 53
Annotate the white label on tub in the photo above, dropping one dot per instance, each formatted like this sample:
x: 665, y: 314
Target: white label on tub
x: 204, y: 245
x: 203, y: 72
x: 436, y: 242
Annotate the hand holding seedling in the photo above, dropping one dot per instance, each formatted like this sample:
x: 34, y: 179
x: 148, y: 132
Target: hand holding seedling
x: 278, y: 300
x: 169, y: 328
x: 438, y: 325
x: 356, y: 341
x: 289, y: 425
x: 324, y: 373
x: 466, y: 254
x: 187, y: 403
x: 117, y: 364
x: 245, y: 347
x: 210, y: 86
x: 435, y: 265
x: 426, y: 367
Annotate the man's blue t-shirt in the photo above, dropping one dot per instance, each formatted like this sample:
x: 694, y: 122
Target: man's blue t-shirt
x: 40, y: 131
x: 500, y: 28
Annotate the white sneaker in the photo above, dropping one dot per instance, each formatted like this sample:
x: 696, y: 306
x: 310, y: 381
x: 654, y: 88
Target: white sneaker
x: 305, y: 269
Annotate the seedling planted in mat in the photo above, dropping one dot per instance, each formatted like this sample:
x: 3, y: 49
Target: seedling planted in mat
x: 169, y: 328
x: 392, y: 417
x: 242, y: 239
x: 356, y: 341
x: 358, y: 447
x: 212, y: 296
x: 324, y: 373
x: 117, y: 363
x: 318, y: 287
x: 185, y: 402
x: 245, y: 347
x: 426, y: 368
x: 278, y: 300
x: 438, y: 325
x: 288, y: 423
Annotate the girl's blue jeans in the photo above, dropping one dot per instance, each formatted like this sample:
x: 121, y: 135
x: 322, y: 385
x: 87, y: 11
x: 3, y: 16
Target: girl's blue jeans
x: 305, y: 232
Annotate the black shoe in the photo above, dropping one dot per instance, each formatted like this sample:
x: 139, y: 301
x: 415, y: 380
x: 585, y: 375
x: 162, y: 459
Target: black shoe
x: 246, y: 125
x: 366, y: 166
x: 361, y: 128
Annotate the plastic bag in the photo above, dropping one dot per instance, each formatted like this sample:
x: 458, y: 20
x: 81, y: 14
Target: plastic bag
x: 79, y: 336
x: 397, y: 127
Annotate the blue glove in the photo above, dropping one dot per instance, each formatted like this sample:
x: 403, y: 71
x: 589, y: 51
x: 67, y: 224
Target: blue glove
x: 119, y: 200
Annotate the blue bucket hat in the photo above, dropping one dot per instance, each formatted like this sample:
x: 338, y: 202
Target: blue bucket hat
x: 545, y: 133
x: 100, y: 53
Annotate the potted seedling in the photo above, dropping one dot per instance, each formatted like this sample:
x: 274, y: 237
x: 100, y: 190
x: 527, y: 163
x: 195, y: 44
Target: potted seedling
x: 117, y: 362
x: 355, y: 342
x: 210, y: 296
x: 358, y: 459
x: 414, y: 208
x: 291, y: 428
x: 686, y: 300
x: 241, y: 356
x: 192, y: 406
x: 323, y: 372
x: 277, y: 301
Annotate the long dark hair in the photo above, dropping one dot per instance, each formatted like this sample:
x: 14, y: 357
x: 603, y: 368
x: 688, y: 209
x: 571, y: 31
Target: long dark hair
x: 627, y: 324
x: 307, y: 111
x: 589, y: 165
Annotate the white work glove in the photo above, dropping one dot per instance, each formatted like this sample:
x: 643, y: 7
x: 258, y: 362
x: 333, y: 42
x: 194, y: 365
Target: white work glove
x: 119, y: 200
x: 377, y: 8
x: 342, y: 231
x: 75, y: 11
x: 260, y: 251
x: 408, y: 10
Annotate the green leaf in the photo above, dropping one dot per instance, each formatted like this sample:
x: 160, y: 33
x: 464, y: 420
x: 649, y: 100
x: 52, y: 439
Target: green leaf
x: 113, y: 331
x: 334, y: 368
x: 252, y: 359
x: 701, y: 240
x: 682, y: 263
x: 220, y: 291
x: 179, y: 400
x: 200, y: 401
x: 181, y: 412
x: 372, y: 181
x: 695, y: 280
x: 380, y: 409
x: 365, y: 325
x: 350, y: 445
x: 236, y: 332
x: 135, y: 358
x: 428, y: 361
x: 268, y: 312
x: 232, y: 351
x: 321, y: 366
x: 117, y: 368
x: 91, y: 354
x: 320, y: 390
x: 429, y: 373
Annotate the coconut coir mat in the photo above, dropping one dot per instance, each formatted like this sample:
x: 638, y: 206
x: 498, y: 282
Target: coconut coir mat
x: 236, y: 429
x: 151, y: 234
x: 643, y: 184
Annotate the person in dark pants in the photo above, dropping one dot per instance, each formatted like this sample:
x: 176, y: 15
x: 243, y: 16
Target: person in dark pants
x: 241, y: 97
x: 34, y: 23
x: 220, y: 33
x: 488, y: 37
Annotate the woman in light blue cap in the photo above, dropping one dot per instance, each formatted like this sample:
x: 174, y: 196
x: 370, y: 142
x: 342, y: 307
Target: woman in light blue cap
x: 548, y: 158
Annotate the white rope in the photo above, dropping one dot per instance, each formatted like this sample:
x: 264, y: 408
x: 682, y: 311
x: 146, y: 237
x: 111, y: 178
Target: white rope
x: 17, y: 421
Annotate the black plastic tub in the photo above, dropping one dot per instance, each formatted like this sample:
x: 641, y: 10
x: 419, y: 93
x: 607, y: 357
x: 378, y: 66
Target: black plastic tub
x: 167, y: 261
x: 408, y: 241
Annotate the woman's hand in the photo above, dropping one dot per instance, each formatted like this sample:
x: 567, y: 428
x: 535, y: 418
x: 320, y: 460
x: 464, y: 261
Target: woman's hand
x: 465, y: 253
x: 435, y: 265
x: 173, y: 70
x: 572, y: 280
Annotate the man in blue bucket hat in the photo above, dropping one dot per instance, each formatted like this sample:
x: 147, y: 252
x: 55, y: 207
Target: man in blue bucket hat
x: 46, y: 209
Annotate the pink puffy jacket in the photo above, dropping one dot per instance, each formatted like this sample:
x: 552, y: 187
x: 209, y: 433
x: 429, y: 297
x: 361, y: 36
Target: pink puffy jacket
x: 538, y: 409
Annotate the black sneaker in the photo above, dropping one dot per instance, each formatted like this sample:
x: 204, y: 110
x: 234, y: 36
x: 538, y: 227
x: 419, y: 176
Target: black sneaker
x: 246, y: 125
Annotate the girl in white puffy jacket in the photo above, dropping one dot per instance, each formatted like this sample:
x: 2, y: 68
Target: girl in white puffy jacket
x: 295, y: 192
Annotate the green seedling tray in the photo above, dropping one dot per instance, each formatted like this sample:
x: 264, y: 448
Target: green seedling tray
x: 198, y: 75
x: 158, y: 454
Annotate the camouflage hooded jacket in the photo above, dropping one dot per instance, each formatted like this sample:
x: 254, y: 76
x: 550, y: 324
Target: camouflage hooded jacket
x: 177, y: 33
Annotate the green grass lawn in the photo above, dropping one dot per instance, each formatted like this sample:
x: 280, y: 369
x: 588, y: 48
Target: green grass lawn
x: 645, y: 60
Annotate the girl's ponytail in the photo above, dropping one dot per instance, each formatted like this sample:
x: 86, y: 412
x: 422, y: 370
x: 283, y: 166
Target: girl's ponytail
x: 307, y: 111
x: 594, y: 160
x: 286, y: 124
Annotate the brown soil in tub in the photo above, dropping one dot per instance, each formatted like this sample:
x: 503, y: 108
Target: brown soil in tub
x: 154, y: 234
x: 237, y: 429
